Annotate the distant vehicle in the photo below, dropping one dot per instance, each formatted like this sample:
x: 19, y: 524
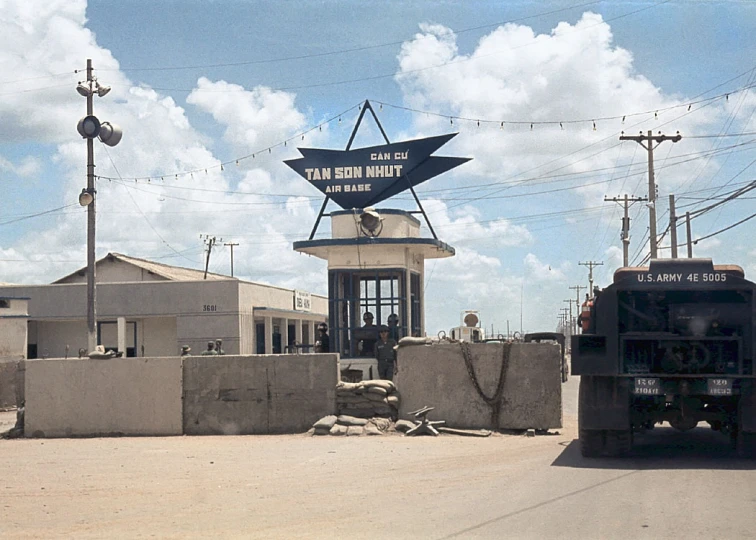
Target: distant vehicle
x: 470, y: 329
x: 672, y: 342
x: 556, y: 337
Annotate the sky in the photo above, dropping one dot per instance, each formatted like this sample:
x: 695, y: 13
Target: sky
x: 213, y: 96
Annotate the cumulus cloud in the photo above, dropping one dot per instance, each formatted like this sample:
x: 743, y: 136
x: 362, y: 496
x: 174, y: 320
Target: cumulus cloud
x: 163, y: 185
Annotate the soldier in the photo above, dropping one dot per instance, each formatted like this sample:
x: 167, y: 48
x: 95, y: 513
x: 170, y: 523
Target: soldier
x: 210, y: 349
x: 219, y: 347
x: 185, y: 350
x: 385, y: 354
x: 393, y: 326
x: 322, y: 343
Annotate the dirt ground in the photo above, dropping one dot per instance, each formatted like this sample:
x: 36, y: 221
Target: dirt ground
x: 298, y: 486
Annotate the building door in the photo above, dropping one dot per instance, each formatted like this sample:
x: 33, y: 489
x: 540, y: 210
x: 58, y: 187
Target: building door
x: 260, y: 338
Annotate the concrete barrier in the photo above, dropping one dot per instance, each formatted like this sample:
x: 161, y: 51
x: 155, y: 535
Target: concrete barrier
x: 119, y: 396
x: 437, y: 376
x: 258, y: 394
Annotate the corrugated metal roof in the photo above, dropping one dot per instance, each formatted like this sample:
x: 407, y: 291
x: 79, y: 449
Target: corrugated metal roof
x: 172, y: 273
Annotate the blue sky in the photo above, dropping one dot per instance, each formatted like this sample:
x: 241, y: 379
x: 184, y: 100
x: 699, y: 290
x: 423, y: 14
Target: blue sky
x: 197, y: 84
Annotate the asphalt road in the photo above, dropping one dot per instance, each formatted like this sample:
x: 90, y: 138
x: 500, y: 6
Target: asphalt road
x: 675, y: 486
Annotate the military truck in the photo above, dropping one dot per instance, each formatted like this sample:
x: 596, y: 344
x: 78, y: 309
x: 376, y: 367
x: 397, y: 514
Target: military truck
x: 672, y: 342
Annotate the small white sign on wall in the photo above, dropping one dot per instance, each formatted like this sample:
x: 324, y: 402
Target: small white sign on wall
x: 302, y: 301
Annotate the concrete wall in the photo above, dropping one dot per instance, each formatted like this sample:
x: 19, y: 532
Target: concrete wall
x: 258, y: 394
x: 83, y: 397
x: 436, y: 376
x: 9, y: 375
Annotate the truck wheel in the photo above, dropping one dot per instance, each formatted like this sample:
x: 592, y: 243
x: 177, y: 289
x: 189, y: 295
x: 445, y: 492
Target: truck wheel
x: 746, y: 445
x: 591, y: 442
x: 594, y: 393
x: 618, y: 442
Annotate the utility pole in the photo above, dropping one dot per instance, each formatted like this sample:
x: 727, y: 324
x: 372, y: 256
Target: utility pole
x: 569, y: 332
x: 91, y: 220
x: 209, y: 241
x: 231, y: 245
x: 563, y: 315
x: 590, y: 265
x: 626, y: 224
x: 673, y: 226
x: 90, y: 127
x: 650, y: 139
x: 687, y: 228
x: 577, y: 288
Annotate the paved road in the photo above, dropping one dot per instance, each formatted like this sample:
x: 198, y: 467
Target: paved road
x: 376, y: 487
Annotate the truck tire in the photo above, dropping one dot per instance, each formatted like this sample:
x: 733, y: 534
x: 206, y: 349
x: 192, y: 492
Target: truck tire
x: 591, y: 442
x: 599, y: 442
x: 746, y: 438
x: 746, y: 445
x: 618, y: 442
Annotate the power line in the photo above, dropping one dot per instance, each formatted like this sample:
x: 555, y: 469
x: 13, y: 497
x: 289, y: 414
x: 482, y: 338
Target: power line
x: 349, y: 50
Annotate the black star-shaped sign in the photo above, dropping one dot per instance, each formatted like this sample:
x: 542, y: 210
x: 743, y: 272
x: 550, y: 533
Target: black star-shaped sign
x: 366, y: 176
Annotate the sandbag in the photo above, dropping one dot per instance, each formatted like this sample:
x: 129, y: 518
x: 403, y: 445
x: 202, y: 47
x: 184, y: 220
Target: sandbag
x: 338, y: 430
x: 409, y: 340
x: 389, y: 386
x: 326, y: 422
x: 347, y: 420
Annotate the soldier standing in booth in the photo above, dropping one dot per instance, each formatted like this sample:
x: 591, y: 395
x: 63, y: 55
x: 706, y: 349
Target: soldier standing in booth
x: 385, y: 354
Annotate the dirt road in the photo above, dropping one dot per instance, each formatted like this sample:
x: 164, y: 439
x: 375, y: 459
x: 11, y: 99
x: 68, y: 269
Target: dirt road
x: 375, y: 487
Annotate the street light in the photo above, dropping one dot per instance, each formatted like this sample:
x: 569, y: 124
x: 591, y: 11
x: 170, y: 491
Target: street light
x: 89, y: 127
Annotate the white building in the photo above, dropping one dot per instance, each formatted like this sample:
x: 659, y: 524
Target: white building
x: 146, y: 308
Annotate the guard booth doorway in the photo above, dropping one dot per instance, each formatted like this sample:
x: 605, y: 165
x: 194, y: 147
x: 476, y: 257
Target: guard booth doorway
x: 360, y: 301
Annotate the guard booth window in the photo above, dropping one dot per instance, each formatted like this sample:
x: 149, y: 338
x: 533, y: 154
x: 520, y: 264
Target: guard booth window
x: 354, y: 296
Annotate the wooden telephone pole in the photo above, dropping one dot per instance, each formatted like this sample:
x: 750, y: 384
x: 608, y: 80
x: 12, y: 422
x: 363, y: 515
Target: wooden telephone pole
x: 626, y: 202
x: 647, y: 142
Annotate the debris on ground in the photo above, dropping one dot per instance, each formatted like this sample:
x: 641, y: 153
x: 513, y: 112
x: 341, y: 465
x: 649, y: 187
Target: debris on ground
x: 17, y: 431
x: 465, y: 432
x: 422, y: 425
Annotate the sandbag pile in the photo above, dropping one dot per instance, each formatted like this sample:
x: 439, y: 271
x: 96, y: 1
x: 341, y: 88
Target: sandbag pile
x: 351, y: 426
x: 368, y: 399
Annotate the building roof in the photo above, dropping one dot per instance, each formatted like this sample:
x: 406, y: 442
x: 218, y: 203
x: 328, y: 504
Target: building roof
x: 171, y: 273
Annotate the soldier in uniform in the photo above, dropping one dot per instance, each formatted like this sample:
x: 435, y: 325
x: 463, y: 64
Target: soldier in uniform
x: 385, y: 354
x: 322, y: 343
x: 210, y: 349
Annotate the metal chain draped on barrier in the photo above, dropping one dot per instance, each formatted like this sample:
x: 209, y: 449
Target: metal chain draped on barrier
x: 494, y: 402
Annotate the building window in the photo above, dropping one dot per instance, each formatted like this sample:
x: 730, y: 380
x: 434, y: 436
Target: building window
x: 355, y: 296
x: 4, y: 303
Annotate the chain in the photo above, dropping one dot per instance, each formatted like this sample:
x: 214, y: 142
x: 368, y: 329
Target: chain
x: 495, y: 402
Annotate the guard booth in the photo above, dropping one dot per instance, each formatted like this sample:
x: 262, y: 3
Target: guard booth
x: 376, y: 267
x: 376, y: 257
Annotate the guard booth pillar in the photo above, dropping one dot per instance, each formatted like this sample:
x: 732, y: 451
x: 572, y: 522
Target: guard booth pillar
x: 376, y: 269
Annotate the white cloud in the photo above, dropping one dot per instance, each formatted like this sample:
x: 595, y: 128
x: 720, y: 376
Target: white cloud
x: 27, y: 167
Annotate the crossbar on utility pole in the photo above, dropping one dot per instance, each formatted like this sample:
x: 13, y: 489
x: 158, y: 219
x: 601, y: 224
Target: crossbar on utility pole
x: 626, y: 203
x: 650, y: 139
